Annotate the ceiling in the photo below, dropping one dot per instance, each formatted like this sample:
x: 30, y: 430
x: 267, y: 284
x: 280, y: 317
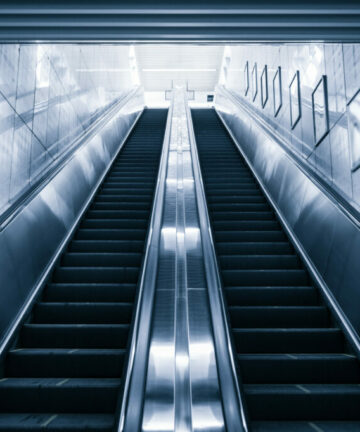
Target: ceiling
x: 179, y: 20
x: 160, y: 66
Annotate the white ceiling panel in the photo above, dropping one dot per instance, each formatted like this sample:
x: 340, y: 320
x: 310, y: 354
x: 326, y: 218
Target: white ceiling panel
x: 160, y: 65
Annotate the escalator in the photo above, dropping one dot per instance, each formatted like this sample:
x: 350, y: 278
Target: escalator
x: 297, y: 370
x: 65, y: 370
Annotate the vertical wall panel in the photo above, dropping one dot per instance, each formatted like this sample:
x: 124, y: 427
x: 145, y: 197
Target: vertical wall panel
x: 49, y: 95
x: 332, y: 157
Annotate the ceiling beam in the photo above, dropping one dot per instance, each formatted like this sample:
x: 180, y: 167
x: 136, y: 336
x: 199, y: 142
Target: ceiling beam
x: 185, y: 21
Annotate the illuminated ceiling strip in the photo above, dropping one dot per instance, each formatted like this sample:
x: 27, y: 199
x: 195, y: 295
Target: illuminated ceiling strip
x: 103, y: 70
x: 178, y: 70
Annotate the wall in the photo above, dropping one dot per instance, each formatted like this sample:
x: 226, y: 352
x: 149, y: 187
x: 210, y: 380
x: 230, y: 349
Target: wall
x: 336, y: 158
x: 49, y: 95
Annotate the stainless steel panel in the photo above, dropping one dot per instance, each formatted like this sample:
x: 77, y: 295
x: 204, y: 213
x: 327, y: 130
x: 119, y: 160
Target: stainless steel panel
x: 230, y: 390
x: 182, y: 388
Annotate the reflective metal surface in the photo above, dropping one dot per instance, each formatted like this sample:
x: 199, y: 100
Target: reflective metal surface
x: 49, y: 97
x: 182, y: 389
x: 329, y: 148
x: 329, y: 239
x: 130, y: 415
x: 34, y: 237
x: 233, y: 405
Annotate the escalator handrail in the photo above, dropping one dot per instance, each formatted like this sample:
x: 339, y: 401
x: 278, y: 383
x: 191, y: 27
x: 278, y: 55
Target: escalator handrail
x: 233, y: 406
x: 130, y: 413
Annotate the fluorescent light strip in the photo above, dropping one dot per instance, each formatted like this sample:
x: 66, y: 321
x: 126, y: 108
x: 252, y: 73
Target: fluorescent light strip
x: 103, y: 70
x: 178, y: 70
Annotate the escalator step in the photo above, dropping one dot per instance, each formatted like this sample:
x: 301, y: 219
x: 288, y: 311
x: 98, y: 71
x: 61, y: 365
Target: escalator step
x: 102, y: 246
x: 96, y: 274
x: 244, y: 215
x: 279, y: 316
x: 111, y: 234
x: 58, y: 363
x: 102, y: 259
x: 306, y: 426
x: 256, y: 248
x: 250, y: 236
x: 82, y: 313
x: 289, y: 340
x: 68, y: 395
x: 303, y: 401
x: 233, y: 261
x: 74, y: 335
x: 272, y: 296
x: 265, y: 277
x: 55, y: 422
x: 299, y: 368
x: 128, y: 224
x: 117, y: 214
x: 82, y: 292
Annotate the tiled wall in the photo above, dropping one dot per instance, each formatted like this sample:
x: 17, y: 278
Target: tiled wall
x: 49, y: 94
x: 336, y: 155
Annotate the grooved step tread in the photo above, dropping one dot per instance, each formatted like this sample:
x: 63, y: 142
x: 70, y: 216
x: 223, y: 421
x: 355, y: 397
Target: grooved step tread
x: 55, y: 422
x: 59, y: 363
x: 303, y: 426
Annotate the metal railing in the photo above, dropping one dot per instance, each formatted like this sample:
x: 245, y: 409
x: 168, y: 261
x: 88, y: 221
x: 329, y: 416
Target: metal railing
x: 130, y: 411
x: 233, y: 406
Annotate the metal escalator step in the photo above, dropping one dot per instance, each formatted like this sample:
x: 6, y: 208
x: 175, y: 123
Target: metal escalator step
x: 102, y: 259
x: 82, y: 313
x: 245, y: 225
x: 255, y: 248
x: 123, y: 198
x: 129, y: 246
x: 259, y: 262
x: 74, y: 335
x: 242, y: 215
x: 250, y: 236
x: 117, y: 214
x: 58, y: 363
x: 143, y: 205
x: 279, y: 316
x: 264, y: 277
x: 303, y: 401
x: 114, y: 223
x: 55, y: 422
x: 272, y: 296
x: 90, y: 292
x: 96, y: 274
x: 299, y: 368
x: 110, y: 234
x: 305, y: 426
x: 70, y: 395
x: 285, y: 340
